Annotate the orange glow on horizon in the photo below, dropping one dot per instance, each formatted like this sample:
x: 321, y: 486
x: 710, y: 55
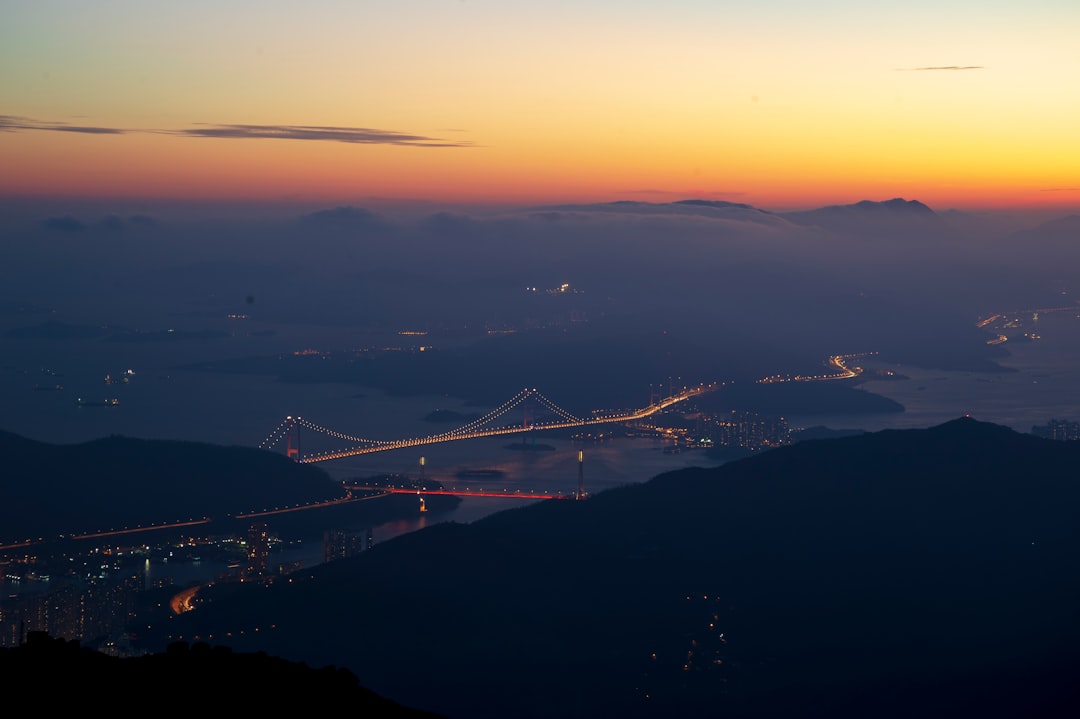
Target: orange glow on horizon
x: 786, y: 107
x: 169, y: 167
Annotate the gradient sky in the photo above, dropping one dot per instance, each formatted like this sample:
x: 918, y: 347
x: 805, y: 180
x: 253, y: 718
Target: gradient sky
x: 783, y: 104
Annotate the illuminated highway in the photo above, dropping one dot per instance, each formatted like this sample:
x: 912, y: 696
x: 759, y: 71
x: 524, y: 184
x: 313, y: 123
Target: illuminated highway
x: 375, y: 493
x: 147, y: 528
x: 347, y: 499
x: 838, y: 362
x: 506, y: 494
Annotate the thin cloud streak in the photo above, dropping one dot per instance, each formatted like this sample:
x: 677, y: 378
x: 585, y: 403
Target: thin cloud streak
x: 12, y: 123
x: 356, y: 135
x: 942, y: 67
x: 351, y: 135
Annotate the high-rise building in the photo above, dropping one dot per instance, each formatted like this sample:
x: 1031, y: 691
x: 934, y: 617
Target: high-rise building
x: 76, y: 609
x: 1058, y: 429
x: 750, y: 430
x: 258, y: 548
x: 342, y: 543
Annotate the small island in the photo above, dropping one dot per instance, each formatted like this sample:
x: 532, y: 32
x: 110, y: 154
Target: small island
x: 448, y: 416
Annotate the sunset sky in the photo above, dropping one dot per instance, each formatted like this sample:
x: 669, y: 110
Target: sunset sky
x: 782, y: 104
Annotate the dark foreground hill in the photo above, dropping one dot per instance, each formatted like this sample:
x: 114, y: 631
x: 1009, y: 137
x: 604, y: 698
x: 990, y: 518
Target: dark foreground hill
x: 48, y: 489
x: 62, y: 676
x: 930, y: 573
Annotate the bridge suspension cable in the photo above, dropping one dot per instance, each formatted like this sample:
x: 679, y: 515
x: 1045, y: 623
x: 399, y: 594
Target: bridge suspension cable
x: 479, y: 427
x: 287, y: 425
x: 338, y: 435
x: 554, y: 408
x: 278, y: 434
x: 492, y: 415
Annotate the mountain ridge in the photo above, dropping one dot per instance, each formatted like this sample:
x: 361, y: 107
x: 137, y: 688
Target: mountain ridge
x: 811, y: 580
x: 52, y: 489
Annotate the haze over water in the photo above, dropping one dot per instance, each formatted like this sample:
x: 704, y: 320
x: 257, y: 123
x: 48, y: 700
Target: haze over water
x: 161, y: 401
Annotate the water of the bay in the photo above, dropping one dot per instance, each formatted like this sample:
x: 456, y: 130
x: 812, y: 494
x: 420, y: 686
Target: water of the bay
x: 556, y: 471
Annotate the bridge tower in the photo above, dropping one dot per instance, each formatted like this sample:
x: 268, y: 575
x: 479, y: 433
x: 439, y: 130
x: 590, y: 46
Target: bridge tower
x: 581, y: 474
x: 292, y: 442
x: 527, y: 411
x: 421, y: 471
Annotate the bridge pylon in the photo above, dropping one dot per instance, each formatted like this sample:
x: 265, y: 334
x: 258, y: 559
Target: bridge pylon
x: 580, y: 474
x: 292, y: 442
x: 528, y: 411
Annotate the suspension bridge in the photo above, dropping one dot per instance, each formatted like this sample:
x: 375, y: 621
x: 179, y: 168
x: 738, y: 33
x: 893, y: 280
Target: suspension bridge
x: 492, y: 424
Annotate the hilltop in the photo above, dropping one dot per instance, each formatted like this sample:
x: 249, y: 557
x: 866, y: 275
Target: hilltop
x: 896, y: 573
x: 49, y: 489
x: 232, y: 681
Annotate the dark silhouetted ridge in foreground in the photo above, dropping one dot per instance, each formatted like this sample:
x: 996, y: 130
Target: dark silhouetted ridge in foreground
x: 61, y: 675
x: 930, y: 573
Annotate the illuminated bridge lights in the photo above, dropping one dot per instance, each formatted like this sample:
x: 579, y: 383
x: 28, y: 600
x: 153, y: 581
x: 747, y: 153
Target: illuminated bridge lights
x: 476, y: 428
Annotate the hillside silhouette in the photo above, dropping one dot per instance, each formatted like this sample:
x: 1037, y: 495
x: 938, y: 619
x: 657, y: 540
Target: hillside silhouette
x: 49, y: 489
x: 890, y: 574
x: 63, y: 675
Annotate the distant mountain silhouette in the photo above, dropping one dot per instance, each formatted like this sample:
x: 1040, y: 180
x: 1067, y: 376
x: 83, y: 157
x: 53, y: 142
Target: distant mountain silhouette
x: 896, y: 207
x: 888, y: 217
x: 720, y: 204
x: 717, y: 209
x: 931, y: 573
x: 636, y: 205
x: 893, y: 218
x: 67, y: 677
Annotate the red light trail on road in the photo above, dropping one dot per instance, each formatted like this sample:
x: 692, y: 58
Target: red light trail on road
x: 468, y: 493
